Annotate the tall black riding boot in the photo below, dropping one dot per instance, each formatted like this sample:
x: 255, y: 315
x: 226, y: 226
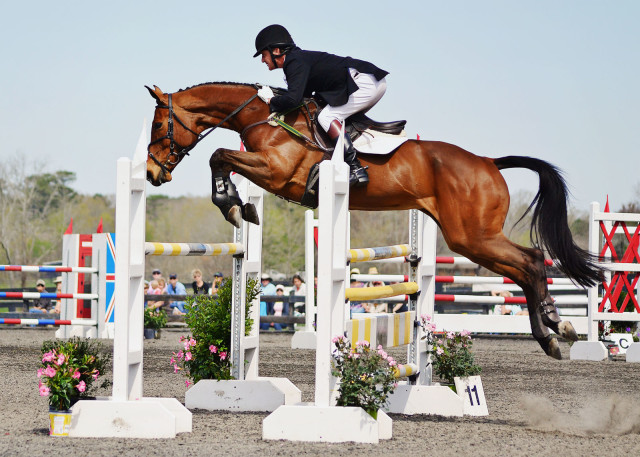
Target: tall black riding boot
x: 357, y: 173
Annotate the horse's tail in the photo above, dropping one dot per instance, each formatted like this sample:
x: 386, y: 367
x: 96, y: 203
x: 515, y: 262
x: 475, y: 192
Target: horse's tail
x: 549, y: 225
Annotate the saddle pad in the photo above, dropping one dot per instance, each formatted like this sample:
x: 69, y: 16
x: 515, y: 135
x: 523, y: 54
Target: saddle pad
x: 372, y: 142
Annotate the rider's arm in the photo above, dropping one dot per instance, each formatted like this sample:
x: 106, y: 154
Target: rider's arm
x: 297, y: 73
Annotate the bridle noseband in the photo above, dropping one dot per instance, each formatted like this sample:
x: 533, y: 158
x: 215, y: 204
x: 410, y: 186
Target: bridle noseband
x: 174, y: 156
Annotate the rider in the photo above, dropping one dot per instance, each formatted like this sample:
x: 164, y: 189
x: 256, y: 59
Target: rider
x: 347, y: 85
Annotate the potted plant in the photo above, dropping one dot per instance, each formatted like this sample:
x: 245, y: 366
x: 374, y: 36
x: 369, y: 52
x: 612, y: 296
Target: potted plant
x: 450, y: 352
x: 154, y: 320
x: 367, y: 376
x: 206, y: 353
x: 67, y: 374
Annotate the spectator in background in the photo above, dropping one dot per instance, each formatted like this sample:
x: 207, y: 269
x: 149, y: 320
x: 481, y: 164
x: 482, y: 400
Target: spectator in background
x: 175, y: 287
x: 156, y: 274
x: 198, y: 285
x: 299, y: 290
x: 58, y: 302
x: 506, y: 309
x: 266, y: 308
x: 40, y: 305
x: 278, y: 307
x: 154, y: 289
x: 217, y: 282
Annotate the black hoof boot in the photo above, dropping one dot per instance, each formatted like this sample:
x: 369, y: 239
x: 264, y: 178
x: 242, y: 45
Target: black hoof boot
x: 250, y: 214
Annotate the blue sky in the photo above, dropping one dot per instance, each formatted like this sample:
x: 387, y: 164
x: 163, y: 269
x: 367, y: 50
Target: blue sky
x: 557, y: 80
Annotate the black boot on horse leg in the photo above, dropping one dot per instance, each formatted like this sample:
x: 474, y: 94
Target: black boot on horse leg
x: 225, y: 196
x: 551, y: 319
x: 357, y: 173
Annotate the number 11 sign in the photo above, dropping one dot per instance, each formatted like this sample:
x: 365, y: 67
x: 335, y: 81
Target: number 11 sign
x: 471, y: 391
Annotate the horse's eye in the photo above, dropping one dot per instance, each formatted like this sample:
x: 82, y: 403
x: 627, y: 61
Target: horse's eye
x: 157, y: 125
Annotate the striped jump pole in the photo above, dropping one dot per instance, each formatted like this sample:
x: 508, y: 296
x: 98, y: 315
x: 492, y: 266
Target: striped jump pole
x: 192, y: 249
x: 46, y: 269
x: 52, y: 295
x: 371, y: 293
x: 559, y: 300
x: 85, y: 322
x: 459, y: 279
x: 383, y: 252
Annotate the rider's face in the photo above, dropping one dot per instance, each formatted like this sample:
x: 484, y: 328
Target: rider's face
x: 268, y: 61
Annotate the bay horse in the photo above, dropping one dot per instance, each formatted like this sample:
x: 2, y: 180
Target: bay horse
x: 465, y: 194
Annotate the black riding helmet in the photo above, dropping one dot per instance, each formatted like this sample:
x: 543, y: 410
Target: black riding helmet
x: 273, y: 36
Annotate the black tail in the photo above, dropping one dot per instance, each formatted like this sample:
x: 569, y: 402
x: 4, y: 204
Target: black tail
x: 549, y: 225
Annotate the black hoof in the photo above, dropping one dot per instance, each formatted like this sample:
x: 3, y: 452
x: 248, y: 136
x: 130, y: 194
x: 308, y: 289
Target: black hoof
x: 250, y: 214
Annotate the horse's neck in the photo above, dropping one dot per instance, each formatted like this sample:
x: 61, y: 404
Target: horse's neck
x: 217, y: 101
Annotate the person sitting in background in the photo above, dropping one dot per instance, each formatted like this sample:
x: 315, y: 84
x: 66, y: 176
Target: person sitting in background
x: 156, y: 274
x: 266, y: 308
x: 278, y: 307
x: 198, y: 285
x: 175, y: 287
x: 154, y: 289
x: 375, y: 307
x: 217, y: 282
x: 299, y: 290
x: 40, y: 305
x: 506, y: 309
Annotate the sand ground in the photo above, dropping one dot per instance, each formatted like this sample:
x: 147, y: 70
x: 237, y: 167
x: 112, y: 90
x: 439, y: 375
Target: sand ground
x: 537, y: 406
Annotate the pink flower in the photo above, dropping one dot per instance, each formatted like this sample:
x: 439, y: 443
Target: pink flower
x: 81, y: 386
x: 48, y: 357
x: 363, y: 343
x: 175, y: 368
x: 439, y: 351
x: 172, y: 361
x: 188, y: 383
x: 392, y: 363
x: 44, y: 390
x: 50, y: 372
x: 180, y: 355
x: 465, y: 333
x: 451, y: 335
x: 76, y: 375
x: 213, y: 349
x: 95, y: 375
x: 60, y: 360
x: 187, y: 356
x: 223, y: 355
x: 40, y: 370
x: 430, y: 327
x: 192, y: 342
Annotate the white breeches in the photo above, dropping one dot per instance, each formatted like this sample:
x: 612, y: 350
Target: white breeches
x: 369, y: 93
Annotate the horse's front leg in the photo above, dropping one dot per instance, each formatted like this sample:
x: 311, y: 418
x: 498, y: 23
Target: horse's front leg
x: 224, y: 193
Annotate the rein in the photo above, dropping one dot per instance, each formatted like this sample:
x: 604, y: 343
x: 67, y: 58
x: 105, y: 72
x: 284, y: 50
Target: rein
x: 184, y: 150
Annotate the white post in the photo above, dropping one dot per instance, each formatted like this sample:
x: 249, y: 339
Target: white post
x: 332, y: 259
x: 306, y: 338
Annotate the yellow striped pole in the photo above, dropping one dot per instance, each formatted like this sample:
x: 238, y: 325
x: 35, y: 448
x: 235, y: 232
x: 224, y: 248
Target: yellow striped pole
x: 372, y: 293
x: 384, y: 252
x: 192, y: 249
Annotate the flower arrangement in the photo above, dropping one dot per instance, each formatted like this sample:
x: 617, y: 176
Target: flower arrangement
x: 69, y: 369
x: 206, y: 353
x: 450, y: 351
x: 367, y: 376
x: 155, y: 318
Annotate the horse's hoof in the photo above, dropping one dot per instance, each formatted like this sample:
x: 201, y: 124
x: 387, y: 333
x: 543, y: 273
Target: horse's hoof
x: 553, y: 349
x: 235, y: 216
x: 567, y: 331
x: 250, y: 213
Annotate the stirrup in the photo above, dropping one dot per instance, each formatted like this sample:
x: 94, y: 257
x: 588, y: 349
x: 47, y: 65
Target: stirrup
x: 358, y: 177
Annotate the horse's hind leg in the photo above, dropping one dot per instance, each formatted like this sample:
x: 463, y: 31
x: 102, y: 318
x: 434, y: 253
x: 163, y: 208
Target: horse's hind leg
x: 525, y: 266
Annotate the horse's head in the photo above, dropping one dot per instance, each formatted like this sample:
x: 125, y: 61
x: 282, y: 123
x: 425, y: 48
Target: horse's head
x: 173, y: 135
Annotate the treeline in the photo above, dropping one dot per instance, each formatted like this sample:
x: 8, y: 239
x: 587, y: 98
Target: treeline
x: 36, y: 207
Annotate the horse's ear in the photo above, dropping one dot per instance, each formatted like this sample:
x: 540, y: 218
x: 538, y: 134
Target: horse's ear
x: 157, y: 94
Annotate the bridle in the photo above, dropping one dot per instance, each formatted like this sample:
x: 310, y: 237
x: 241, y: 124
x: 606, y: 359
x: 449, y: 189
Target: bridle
x: 175, y: 156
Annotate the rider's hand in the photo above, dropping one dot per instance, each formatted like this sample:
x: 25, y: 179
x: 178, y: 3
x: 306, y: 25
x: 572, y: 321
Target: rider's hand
x: 265, y: 93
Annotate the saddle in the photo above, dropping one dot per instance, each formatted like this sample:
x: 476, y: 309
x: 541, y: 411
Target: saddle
x: 355, y: 125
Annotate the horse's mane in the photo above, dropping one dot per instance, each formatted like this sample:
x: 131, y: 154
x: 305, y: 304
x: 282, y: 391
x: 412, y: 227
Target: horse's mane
x: 227, y: 83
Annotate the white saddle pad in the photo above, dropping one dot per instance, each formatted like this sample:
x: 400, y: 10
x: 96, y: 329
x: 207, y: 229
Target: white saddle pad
x: 372, y: 142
